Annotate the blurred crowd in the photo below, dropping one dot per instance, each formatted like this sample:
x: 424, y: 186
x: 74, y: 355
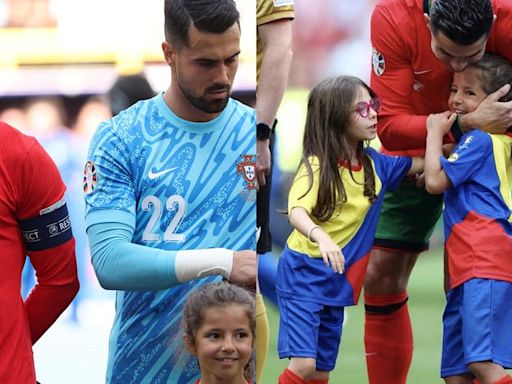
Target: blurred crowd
x: 64, y: 126
x: 331, y: 37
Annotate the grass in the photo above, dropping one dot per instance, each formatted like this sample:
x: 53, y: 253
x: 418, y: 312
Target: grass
x: 426, y: 303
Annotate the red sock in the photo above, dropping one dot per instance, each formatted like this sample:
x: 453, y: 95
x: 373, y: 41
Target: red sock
x: 504, y: 380
x: 388, y: 340
x: 318, y: 382
x: 288, y: 377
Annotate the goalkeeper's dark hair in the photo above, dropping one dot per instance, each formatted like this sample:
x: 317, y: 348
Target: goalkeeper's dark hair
x: 493, y: 73
x: 214, y: 16
x: 330, y: 113
x: 462, y: 21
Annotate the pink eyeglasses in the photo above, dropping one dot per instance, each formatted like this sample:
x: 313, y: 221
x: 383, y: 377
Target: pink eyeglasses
x: 363, y: 108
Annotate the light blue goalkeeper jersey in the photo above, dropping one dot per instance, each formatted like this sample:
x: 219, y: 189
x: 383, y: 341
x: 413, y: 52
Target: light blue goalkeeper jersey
x: 189, y: 186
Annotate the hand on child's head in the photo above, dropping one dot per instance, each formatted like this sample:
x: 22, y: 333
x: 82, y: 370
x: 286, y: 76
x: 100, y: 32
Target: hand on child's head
x: 502, y: 91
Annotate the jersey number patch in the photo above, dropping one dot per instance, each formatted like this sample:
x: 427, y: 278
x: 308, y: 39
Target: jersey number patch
x: 174, y: 203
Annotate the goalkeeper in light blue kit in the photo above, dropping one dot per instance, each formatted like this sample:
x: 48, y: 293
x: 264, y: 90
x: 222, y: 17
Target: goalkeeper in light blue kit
x: 170, y: 192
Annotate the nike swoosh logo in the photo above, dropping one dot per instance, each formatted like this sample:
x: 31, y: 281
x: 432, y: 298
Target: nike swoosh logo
x: 153, y: 175
x: 422, y: 72
x: 371, y: 353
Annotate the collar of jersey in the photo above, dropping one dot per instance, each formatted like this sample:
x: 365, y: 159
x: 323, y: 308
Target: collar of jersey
x: 347, y: 165
x: 194, y: 127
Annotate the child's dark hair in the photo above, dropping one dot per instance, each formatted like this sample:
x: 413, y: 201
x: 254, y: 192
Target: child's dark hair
x: 219, y: 294
x: 493, y: 73
x: 330, y: 113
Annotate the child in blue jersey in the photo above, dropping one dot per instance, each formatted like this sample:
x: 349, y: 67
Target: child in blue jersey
x: 219, y: 322
x: 476, y: 180
x: 333, y: 205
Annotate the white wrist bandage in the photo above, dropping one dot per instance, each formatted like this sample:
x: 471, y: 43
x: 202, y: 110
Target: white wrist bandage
x: 194, y: 264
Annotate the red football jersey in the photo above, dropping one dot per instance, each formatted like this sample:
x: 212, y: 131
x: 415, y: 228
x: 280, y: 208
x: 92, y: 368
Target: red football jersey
x: 29, y: 183
x: 411, y: 81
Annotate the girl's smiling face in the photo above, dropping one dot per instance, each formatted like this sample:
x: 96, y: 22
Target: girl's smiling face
x: 223, y: 344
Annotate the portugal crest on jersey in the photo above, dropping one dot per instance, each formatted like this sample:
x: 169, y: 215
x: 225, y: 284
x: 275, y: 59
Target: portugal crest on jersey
x: 378, y: 63
x: 247, y: 168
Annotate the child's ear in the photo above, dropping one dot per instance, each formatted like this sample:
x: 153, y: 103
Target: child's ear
x: 189, y: 344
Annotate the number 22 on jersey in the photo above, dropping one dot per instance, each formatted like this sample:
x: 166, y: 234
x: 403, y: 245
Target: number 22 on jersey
x: 174, y: 203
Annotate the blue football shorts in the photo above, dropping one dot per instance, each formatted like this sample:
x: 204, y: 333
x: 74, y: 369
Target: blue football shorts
x: 309, y: 329
x: 477, y: 325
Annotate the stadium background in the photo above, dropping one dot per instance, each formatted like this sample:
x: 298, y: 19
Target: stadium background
x: 59, y: 58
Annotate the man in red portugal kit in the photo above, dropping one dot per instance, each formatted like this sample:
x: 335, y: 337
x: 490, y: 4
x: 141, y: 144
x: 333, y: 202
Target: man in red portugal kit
x: 33, y: 221
x: 417, y: 45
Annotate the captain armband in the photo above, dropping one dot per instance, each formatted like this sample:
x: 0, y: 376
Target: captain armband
x: 197, y: 263
x: 51, y: 228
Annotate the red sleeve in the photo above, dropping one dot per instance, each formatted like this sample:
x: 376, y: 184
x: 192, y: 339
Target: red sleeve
x: 500, y: 39
x: 399, y: 127
x: 57, y: 285
x: 40, y: 186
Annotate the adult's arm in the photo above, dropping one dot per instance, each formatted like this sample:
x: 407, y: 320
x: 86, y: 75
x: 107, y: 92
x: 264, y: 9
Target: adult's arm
x: 491, y: 115
x: 276, y: 40
x: 399, y: 127
x: 57, y: 285
x: 122, y: 265
x: 41, y: 205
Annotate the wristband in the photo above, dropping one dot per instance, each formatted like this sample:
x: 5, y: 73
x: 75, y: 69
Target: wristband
x: 196, y: 263
x: 263, y: 131
x: 311, y: 230
x: 456, y: 130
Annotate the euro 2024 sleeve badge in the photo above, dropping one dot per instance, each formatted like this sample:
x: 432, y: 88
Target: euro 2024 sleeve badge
x: 378, y: 63
x: 90, y: 177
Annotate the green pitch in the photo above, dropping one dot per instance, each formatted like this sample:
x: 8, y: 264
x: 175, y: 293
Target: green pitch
x: 426, y: 303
